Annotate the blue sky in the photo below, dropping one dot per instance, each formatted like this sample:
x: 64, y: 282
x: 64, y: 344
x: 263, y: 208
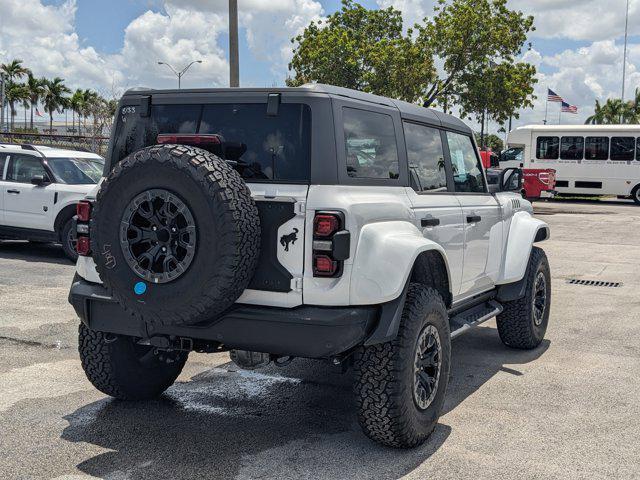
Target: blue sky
x: 112, y: 45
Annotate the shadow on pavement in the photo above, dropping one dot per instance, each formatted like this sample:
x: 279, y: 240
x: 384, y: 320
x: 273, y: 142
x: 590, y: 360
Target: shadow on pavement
x: 292, y: 422
x: 33, y: 252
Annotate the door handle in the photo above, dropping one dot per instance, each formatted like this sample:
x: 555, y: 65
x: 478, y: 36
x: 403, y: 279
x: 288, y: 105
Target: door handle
x: 473, y: 218
x: 430, y: 222
x: 15, y: 192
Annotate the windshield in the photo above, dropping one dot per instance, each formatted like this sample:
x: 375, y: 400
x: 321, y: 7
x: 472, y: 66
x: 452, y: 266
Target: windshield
x: 76, y: 171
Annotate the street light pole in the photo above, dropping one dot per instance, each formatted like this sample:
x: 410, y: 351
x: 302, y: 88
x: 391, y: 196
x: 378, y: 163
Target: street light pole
x: 234, y: 62
x: 180, y: 73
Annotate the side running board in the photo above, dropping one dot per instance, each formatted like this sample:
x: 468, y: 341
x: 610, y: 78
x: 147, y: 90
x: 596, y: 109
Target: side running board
x: 466, y: 320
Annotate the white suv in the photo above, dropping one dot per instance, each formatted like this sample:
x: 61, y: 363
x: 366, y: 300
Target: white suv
x: 314, y: 222
x: 39, y: 189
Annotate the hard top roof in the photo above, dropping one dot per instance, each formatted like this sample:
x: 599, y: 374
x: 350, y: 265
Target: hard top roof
x: 407, y: 110
x: 49, y: 152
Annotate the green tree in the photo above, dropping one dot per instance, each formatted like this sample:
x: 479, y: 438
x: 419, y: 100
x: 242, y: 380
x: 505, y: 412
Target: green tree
x: 54, y: 98
x: 15, y: 93
x: 76, y: 106
x: 477, y: 41
x: 494, y: 142
x: 365, y: 50
x: 36, y: 90
x: 615, y: 111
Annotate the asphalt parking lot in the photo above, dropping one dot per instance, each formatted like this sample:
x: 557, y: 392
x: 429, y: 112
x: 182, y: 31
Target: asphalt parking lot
x: 570, y: 409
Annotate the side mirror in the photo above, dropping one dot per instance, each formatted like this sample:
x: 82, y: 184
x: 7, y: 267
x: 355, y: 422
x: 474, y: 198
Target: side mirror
x: 40, y: 180
x: 511, y: 180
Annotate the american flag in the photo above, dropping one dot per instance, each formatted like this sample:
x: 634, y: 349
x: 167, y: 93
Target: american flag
x: 569, y: 108
x: 553, y: 96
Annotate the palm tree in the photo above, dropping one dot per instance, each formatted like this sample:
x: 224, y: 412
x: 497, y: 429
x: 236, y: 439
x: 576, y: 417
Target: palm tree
x: 15, y: 93
x: 54, y: 98
x: 36, y: 90
x: 13, y: 70
x: 75, y: 103
x: 598, y: 115
x: 90, y: 99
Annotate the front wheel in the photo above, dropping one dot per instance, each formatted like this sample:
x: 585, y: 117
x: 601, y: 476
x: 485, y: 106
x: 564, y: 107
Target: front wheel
x: 523, y: 322
x: 120, y: 367
x: 400, y: 385
x: 636, y: 194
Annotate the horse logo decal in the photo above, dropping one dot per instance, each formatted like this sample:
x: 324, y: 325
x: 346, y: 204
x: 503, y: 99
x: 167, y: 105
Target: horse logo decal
x: 291, y: 238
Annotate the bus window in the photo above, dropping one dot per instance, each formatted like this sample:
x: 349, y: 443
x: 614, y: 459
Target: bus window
x: 597, y: 148
x: 572, y: 148
x: 622, y: 148
x: 547, y: 148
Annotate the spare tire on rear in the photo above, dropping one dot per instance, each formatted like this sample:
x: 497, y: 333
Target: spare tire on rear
x: 175, y: 234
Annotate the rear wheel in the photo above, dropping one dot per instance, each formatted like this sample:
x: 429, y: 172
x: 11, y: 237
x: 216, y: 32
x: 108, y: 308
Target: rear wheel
x: 400, y: 385
x: 523, y: 322
x: 68, y: 240
x: 120, y: 367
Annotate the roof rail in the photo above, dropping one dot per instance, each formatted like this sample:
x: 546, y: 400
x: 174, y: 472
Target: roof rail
x: 28, y: 146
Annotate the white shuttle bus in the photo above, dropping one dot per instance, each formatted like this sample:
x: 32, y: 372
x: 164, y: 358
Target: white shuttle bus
x: 588, y: 159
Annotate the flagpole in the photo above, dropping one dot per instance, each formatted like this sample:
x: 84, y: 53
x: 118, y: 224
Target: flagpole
x: 546, y: 107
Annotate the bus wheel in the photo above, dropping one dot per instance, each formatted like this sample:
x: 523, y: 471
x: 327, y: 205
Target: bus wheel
x: 635, y: 194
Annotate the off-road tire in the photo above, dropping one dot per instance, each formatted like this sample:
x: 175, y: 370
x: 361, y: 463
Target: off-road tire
x: 113, y: 365
x: 384, y: 375
x: 227, y: 234
x: 516, y: 323
x: 67, y: 248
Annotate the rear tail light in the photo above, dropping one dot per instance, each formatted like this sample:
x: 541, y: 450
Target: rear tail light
x: 331, y: 244
x: 325, y: 224
x: 83, y: 246
x: 83, y: 210
x: 324, y: 266
x: 83, y: 216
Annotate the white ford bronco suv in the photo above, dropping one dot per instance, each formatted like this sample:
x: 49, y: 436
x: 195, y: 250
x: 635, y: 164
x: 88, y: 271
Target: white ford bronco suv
x: 39, y: 189
x: 313, y: 222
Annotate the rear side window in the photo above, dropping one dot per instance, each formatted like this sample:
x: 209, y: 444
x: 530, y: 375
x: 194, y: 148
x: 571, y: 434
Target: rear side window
x: 467, y: 173
x: 622, y: 148
x: 370, y: 144
x: 267, y: 148
x: 547, y: 148
x: 426, y: 158
x: 275, y: 147
x: 596, y: 148
x: 572, y: 148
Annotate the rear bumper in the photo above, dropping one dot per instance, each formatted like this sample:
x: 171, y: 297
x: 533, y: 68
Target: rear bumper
x: 305, y: 331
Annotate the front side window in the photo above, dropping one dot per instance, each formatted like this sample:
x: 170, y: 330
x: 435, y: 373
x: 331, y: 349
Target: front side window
x: 76, y: 171
x: 426, y: 158
x: 370, y: 144
x: 572, y: 148
x: 24, y: 167
x: 266, y: 147
x: 467, y: 172
x: 596, y: 148
x: 547, y: 148
x: 622, y: 148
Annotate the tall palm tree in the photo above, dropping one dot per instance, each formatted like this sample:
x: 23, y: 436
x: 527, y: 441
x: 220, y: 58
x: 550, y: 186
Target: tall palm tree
x: 75, y: 104
x: 598, y: 115
x: 15, y: 93
x: 13, y: 70
x: 90, y: 99
x: 54, y: 98
x: 36, y: 90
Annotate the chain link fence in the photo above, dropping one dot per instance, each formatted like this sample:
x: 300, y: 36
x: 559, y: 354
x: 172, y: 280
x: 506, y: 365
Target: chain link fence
x: 95, y: 144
